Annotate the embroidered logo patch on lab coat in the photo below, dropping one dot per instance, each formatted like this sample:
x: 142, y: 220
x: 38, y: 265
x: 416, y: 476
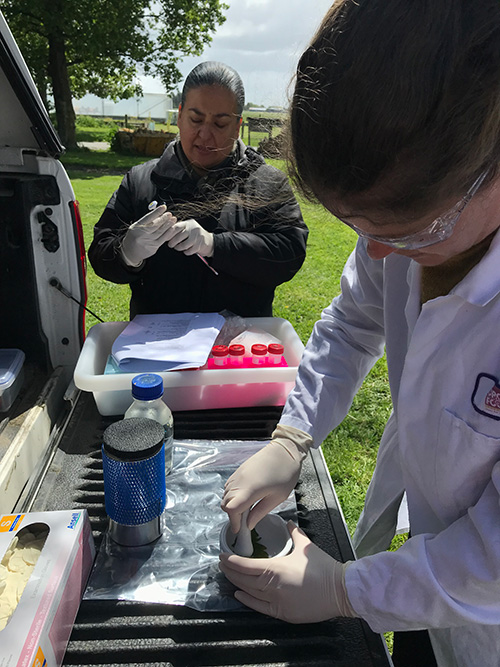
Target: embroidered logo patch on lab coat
x: 486, y: 396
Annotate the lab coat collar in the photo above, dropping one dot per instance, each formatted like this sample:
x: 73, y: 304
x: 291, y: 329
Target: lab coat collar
x: 482, y: 283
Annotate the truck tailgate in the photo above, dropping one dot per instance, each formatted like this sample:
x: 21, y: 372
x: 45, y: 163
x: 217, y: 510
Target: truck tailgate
x: 135, y: 633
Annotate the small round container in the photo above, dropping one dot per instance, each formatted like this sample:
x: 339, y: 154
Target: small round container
x: 220, y: 355
x: 259, y: 354
x: 275, y: 353
x: 236, y: 354
x: 272, y: 531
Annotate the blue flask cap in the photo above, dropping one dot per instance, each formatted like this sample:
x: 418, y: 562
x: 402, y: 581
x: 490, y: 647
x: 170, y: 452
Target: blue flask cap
x: 147, y: 386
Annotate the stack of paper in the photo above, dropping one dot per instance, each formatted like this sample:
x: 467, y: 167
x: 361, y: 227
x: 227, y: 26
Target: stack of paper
x: 166, y: 342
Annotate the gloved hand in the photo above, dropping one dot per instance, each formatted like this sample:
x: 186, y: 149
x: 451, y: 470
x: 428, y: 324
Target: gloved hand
x: 267, y: 477
x: 191, y: 238
x: 307, y: 586
x: 144, y: 237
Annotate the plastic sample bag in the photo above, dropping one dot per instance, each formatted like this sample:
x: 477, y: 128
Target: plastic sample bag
x: 182, y: 566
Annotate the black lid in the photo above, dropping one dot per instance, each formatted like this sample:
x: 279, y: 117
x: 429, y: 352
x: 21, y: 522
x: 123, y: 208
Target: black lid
x: 133, y: 439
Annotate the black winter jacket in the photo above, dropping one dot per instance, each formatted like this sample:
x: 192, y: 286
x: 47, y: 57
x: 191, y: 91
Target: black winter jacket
x: 259, y: 235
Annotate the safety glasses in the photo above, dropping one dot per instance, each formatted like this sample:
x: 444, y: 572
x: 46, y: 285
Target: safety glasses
x: 439, y: 230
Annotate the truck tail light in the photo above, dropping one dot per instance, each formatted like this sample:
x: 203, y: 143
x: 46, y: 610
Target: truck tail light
x: 82, y: 265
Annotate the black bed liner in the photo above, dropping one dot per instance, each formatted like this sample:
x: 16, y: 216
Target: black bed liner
x: 133, y: 633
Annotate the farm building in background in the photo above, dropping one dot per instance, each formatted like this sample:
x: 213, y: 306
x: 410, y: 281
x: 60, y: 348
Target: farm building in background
x: 154, y: 106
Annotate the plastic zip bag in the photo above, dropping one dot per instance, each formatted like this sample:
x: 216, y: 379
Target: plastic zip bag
x: 182, y: 566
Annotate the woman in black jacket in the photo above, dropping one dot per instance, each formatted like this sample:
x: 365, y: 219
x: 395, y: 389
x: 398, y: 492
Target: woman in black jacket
x: 208, y: 226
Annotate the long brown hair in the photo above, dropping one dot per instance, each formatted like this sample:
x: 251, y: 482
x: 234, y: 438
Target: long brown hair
x: 396, y: 103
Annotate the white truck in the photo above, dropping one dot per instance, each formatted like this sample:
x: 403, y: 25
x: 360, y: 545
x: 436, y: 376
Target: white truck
x: 42, y: 276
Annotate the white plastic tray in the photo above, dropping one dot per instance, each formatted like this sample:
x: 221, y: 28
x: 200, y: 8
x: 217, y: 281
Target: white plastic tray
x: 190, y: 389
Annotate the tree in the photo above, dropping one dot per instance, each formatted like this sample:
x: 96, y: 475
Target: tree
x: 176, y: 97
x: 74, y: 47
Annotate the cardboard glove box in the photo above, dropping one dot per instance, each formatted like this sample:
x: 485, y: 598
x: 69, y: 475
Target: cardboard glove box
x: 45, y: 561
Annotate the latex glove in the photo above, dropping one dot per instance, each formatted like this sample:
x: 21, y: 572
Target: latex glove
x: 307, y: 586
x: 266, y: 478
x: 191, y: 238
x: 144, y: 237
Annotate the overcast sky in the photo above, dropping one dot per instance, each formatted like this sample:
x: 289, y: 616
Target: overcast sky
x: 262, y: 40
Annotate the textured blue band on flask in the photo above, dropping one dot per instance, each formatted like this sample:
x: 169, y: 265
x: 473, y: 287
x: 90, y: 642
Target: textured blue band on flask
x: 134, y: 491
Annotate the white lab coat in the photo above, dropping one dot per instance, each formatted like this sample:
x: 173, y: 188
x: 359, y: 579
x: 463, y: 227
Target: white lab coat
x: 441, y: 445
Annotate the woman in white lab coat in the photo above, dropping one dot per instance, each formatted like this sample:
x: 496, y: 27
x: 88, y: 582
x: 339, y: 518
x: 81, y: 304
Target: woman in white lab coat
x: 395, y: 128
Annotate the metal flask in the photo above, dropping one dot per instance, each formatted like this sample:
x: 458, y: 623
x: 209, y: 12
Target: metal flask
x: 133, y: 458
